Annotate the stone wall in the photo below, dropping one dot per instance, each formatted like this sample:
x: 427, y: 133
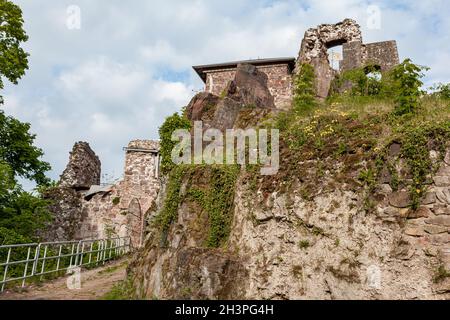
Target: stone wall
x: 279, y: 81
x: 83, y: 169
x: 347, y: 33
x: 381, y: 54
x: 120, y: 210
x: 83, y: 209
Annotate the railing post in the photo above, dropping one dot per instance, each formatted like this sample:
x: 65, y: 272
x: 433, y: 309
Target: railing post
x: 77, y: 254
x: 71, y: 254
x: 59, y: 258
x: 36, y: 260
x: 43, y: 261
x: 6, y: 269
x: 26, y: 267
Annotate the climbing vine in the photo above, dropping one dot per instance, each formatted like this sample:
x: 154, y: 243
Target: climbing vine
x: 217, y: 199
x: 172, y: 123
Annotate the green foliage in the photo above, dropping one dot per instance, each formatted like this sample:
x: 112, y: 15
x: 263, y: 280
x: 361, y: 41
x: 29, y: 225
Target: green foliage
x: 443, y: 90
x: 123, y: 290
x: 116, y: 201
x: 304, y: 244
x: 169, y: 212
x: 18, y: 151
x: 368, y: 177
x: 171, y: 124
x: 21, y: 211
x: 304, y: 89
x: 406, y: 86
x: 361, y: 81
x: 8, y: 236
x: 24, y: 213
x: 7, y: 181
x: 218, y: 202
x: 415, y: 151
x: 441, y: 274
x: 13, y: 59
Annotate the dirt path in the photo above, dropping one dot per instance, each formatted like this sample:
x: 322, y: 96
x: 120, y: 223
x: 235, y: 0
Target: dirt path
x: 95, y: 284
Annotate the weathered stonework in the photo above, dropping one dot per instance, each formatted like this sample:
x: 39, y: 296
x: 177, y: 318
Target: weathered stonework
x: 120, y: 210
x: 347, y: 33
x: 279, y: 78
x: 392, y: 252
x: 83, y: 209
x: 83, y: 169
x: 314, y: 46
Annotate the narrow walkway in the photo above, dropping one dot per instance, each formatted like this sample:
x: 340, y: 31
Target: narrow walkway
x: 95, y: 284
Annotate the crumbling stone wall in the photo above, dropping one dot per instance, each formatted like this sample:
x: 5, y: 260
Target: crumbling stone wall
x: 279, y: 82
x: 347, y: 33
x: 83, y: 209
x: 120, y: 210
x: 83, y: 169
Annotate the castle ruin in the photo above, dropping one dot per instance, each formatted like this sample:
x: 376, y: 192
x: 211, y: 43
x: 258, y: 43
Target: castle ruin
x: 85, y: 209
x: 314, y: 46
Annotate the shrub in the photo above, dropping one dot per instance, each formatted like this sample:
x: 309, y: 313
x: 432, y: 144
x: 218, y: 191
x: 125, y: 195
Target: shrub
x: 406, y: 86
x: 171, y: 124
x: 116, y: 201
x: 362, y: 81
x: 443, y: 90
x: 304, y: 89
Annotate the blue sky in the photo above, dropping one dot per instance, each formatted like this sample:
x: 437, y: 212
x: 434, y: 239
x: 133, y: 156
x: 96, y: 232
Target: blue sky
x: 129, y: 65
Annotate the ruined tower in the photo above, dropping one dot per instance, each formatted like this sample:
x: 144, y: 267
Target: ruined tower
x: 317, y: 41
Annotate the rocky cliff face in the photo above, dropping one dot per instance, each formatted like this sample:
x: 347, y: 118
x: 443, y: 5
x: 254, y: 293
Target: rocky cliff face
x: 325, y: 227
x: 282, y: 246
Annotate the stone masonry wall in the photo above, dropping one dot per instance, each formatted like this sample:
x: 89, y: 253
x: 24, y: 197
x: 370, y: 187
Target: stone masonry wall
x: 279, y: 82
x: 121, y: 209
x: 384, y: 54
x: 83, y: 169
x: 85, y: 210
x: 347, y: 33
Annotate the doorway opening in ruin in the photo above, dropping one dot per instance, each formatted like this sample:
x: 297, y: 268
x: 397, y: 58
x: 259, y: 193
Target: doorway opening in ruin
x: 335, y: 53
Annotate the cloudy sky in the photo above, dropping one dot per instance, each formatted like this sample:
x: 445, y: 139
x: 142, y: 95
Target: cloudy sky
x: 128, y: 66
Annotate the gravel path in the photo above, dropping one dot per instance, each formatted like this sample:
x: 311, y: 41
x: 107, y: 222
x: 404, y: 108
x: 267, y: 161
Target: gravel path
x: 95, y: 284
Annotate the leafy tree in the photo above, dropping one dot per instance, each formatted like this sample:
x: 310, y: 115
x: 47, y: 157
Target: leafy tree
x: 406, y: 86
x: 171, y: 124
x: 18, y: 151
x: 13, y: 59
x: 304, y: 88
x: 25, y: 213
x: 22, y: 214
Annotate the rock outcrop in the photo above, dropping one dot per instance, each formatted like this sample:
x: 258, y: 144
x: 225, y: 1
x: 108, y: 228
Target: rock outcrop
x: 83, y: 169
x: 285, y: 246
x: 245, y: 99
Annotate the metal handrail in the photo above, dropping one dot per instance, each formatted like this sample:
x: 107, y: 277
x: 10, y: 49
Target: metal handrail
x: 99, y: 249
